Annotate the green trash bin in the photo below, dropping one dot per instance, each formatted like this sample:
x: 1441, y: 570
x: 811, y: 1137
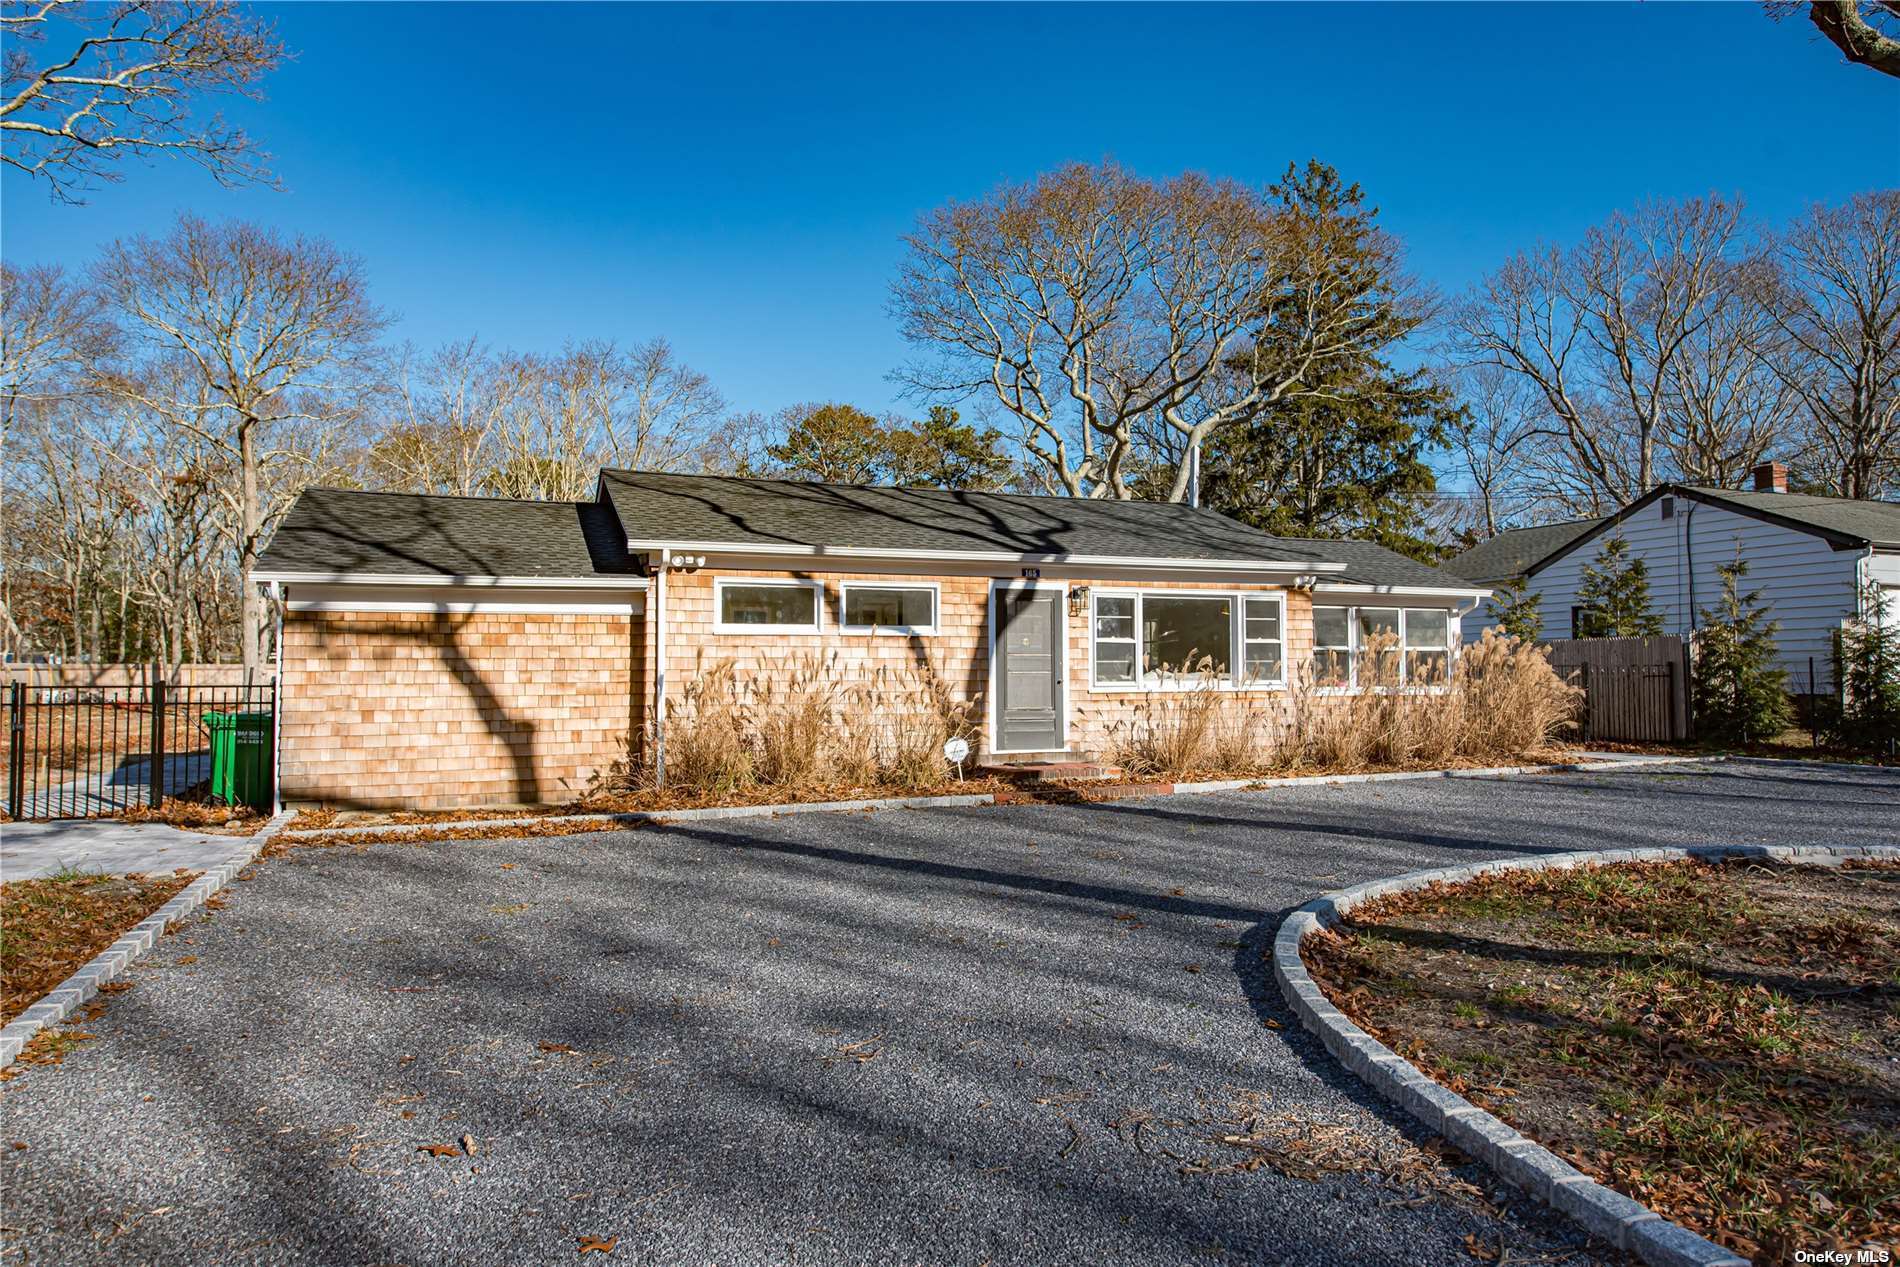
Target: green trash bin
x: 240, y: 758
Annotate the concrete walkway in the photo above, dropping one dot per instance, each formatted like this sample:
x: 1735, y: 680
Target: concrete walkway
x: 32, y: 850
x: 105, y: 792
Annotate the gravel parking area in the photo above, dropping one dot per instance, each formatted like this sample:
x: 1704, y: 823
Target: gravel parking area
x: 1007, y: 1035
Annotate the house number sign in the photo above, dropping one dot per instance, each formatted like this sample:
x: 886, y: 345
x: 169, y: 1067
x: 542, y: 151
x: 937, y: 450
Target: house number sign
x: 1030, y: 574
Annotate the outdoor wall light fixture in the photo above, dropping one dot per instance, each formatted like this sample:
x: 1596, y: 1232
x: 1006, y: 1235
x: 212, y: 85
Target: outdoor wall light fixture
x: 688, y: 562
x: 1078, y: 600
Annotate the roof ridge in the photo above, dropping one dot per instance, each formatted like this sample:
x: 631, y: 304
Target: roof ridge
x: 447, y: 497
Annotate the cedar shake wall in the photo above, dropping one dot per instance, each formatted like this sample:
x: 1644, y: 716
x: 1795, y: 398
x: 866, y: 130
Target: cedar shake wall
x: 959, y: 651
x: 426, y: 710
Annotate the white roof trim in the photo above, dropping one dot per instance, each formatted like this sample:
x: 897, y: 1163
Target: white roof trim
x: 983, y: 556
x: 1422, y: 591
x: 628, y: 582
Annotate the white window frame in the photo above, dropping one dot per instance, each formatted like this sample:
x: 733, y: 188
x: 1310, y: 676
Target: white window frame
x: 1233, y: 680
x: 903, y: 631
x: 722, y: 583
x: 1240, y: 660
x: 1352, y: 611
x: 1351, y: 648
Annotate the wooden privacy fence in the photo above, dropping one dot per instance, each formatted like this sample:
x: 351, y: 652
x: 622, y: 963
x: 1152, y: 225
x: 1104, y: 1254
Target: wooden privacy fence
x: 1636, y: 690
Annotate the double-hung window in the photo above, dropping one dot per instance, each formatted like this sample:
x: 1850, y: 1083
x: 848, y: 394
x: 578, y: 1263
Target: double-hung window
x: 1427, y: 647
x: 1117, y: 650
x: 1378, y: 660
x: 748, y: 605
x: 1332, y: 646
x: 892, y: 609
x: 1264, y: 639
x: 1154, y: 639
x: 1381, y: 647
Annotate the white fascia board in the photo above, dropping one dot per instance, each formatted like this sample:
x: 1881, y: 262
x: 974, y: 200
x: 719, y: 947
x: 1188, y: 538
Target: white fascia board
x: 1421, y: 591
x: 628, y: 582
x: 982, y: 556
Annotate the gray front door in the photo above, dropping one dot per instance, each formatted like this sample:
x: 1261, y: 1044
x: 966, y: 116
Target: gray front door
x: 1028, y: 678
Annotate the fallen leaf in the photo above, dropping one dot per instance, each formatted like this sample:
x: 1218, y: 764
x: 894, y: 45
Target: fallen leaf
x: 594, y: 1245
x: 1194, y: 967
x: 439, y: 1150
x: 557, y: 1048
x: 468, y: 1145
x: 184, y: 959
x: 507, y: 866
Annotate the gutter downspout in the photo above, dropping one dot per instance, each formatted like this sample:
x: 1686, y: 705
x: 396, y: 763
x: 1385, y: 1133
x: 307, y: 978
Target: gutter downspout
x: 278, y: 595
x: 1688, y: 554
x: 659, y: 668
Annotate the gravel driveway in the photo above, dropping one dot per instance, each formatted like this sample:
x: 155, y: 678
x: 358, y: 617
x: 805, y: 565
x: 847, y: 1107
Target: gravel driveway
x: 950, y: 1036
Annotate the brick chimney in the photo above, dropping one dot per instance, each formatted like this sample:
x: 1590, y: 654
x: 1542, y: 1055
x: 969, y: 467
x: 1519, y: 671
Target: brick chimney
x: 1770, y: 477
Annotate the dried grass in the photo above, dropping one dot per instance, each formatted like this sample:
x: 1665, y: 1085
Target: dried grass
x: 802, y: 722
x: 1503, y: 701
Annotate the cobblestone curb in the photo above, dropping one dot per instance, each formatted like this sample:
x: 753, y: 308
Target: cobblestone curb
x: 65, y: 998
x: 1523, y: 1162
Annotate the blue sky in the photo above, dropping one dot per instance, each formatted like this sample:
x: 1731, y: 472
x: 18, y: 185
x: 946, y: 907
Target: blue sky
x: 736, y: 178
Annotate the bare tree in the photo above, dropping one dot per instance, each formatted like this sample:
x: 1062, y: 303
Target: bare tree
x: 274, y: 340
x: 127, y: 79
x: 50, y: 330
x: 1602, y: 330
x: 565, y: 416
x: 1836, y: 307
x: 1093, y: 304
x: 1491, y: 446
x: 1726, y: 406
x: 452, y: 404
x: 1866, y: 31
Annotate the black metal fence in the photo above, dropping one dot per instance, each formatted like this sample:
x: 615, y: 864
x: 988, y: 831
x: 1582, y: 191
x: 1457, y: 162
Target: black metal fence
x: 87, y: 751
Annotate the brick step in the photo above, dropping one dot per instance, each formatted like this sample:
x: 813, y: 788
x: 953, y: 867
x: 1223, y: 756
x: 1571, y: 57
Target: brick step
x: 1047, y: 771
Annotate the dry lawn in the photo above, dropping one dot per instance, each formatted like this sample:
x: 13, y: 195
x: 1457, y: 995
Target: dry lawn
x: 1719, y: 1042
x: 50, y: 928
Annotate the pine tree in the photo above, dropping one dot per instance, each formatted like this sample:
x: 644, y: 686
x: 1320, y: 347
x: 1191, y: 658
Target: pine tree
x: 1867, y: 667
x: 1516, y: 609
x: 1348, y: 455
x: 1614, y: 595
x: 1740, y: 697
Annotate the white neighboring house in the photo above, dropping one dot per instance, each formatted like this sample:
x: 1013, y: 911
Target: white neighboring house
x: 1809, y: 556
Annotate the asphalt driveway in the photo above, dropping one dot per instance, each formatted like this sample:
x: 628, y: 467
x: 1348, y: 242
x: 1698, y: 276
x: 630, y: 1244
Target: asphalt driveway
x: 1009, y: 1035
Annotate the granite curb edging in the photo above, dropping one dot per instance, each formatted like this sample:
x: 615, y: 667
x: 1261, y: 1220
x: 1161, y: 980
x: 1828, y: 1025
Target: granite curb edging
x: 1520, y: 1161
x: 636, y: 818
x: 66, y: 998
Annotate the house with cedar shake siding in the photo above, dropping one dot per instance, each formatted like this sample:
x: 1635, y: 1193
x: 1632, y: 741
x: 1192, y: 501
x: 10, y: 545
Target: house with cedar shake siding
x: 454, y: 651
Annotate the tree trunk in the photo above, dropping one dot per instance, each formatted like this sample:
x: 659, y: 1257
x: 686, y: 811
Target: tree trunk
x: 250, y: 605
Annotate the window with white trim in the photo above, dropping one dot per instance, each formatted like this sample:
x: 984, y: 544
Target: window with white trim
x: 1427, y: 646
x: 896, y: 609
x: 1157, y: 639
x: 1263, y: 638
x: 1378, y: 660
x: 1117, y: 652
x: 1187, y: 636
x: 1381, y: 647
x: 748, y: 605
x: 1332, y: 646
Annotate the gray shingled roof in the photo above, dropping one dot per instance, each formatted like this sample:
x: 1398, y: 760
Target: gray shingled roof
x: 1871, y: 522
x: 662, y: 508
x: 332, y: 530
x: 1512, y: 552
